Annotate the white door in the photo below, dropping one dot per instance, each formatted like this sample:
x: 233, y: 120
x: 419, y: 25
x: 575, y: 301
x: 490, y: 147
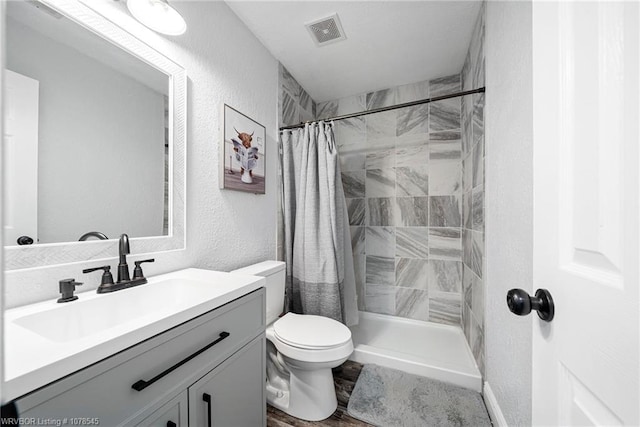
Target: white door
x: 586, y: 216
x: 21, y: 157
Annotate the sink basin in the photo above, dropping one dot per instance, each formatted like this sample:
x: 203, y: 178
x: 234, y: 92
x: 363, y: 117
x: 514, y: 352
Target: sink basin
x: 83, y: 317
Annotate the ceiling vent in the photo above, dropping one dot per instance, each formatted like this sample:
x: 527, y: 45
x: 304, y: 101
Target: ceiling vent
x: 326, y: 30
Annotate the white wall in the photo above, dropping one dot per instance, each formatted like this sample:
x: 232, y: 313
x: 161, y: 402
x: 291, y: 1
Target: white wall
x: 509, y: 204
x: 225, y: 63
x: 2, y: 279
x: 101, y: 142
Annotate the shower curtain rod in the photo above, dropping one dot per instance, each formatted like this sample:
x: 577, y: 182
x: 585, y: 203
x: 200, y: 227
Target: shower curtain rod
x: 392, y: 107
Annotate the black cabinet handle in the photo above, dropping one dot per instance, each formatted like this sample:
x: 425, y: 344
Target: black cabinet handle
x: 207, y: 398
x: 142, y: 384
x: 171, y: 424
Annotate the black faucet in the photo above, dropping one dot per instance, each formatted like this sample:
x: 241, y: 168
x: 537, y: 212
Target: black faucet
x: 124, y: 280
x: 123, y: 267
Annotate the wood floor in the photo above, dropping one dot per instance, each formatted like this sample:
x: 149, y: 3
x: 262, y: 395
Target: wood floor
x: 345, y: 378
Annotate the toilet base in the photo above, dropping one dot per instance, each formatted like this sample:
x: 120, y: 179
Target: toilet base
x: 311, y: 395
x: 299, y: 380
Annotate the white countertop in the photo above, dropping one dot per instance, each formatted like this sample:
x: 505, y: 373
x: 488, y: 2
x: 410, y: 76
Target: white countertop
x: 95, y: 326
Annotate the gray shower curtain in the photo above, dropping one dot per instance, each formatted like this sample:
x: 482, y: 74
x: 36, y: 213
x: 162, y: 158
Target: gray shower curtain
x: 317, y: 244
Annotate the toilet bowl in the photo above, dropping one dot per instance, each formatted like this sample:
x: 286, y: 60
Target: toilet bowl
x: 301, y: 351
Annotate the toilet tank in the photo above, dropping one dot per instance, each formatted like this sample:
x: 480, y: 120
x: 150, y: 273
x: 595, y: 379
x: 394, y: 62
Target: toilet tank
x: 274, y: 272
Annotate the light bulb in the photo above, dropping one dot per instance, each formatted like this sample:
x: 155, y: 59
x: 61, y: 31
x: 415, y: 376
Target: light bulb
x: 158, y: 15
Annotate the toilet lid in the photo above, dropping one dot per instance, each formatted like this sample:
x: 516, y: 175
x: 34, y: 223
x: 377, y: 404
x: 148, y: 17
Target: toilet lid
x: 311, y: 332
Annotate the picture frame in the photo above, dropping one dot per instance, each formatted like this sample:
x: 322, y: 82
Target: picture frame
x: 242, y: 153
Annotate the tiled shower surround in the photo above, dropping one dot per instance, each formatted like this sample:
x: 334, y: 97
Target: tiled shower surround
x: 295, y: 104
x: 402, y: 177
x: 473, y: 152
x: 414, y: 183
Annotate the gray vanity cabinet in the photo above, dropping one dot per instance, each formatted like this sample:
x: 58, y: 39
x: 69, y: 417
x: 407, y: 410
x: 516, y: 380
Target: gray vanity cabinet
x: 230, y: 396
x: 162, y: 379
x: 172, y: 414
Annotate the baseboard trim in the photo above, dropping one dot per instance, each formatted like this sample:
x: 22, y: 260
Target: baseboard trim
x: 492, y: 406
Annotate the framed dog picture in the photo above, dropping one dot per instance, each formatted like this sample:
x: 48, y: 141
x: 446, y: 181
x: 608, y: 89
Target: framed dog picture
x: 242, y: 155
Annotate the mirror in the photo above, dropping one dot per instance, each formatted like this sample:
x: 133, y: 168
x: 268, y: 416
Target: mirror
x: 94, y: 137
x: 86, y: 135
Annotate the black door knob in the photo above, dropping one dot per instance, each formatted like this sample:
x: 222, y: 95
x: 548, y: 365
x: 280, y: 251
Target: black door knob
x: 521, y: 303
x: 24, y: 240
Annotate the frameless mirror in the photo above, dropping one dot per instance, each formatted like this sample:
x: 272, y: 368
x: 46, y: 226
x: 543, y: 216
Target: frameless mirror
x: 87, y: 137
x: 94, y: 136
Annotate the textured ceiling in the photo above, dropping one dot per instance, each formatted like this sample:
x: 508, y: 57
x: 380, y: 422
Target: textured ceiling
x: 388, y: 43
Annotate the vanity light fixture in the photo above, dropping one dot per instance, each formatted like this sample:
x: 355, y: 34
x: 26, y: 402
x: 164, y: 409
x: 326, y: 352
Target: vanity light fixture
x: 158, y: 15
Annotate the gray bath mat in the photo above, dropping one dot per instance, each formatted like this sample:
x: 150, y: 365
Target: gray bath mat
x: 389, y: 398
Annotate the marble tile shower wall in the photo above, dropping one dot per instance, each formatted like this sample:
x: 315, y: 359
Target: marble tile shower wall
x: 402, y: 177
x: 473, y: 153
x: 296, y: 105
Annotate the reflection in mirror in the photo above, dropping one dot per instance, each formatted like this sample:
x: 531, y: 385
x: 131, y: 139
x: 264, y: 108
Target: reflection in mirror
x: 86, y: 134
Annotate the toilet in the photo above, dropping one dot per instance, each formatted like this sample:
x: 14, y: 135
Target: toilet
x: 301, y: 351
